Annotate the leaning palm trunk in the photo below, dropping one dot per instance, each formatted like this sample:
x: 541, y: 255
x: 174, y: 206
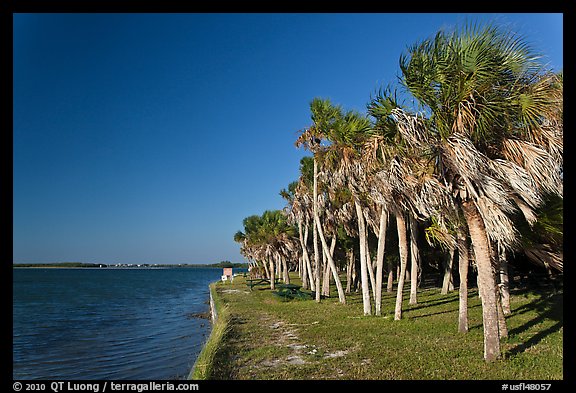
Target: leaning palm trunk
x: 403, y: 249
x: 308, y: 263
x: 415, y: 258
x: 325, y: 275
x: 369, y: 265
x: 380, y: 260
x: 486, y: 280
x: 326, y: 284
x: 272, y: 276
x: 304, y: 269
x: 504, y: 284
x: 326, y: 269
x: 390, y: 283
x: 463, y: 291
x: 315, y: 229
x: 349, y: 271
x: 341, y: 295
x: 266, y: 269
x: 502, y: 328
x: 363, y: 267
x: 285, y: 270
x: 317, y: 269
x: 447, y: 284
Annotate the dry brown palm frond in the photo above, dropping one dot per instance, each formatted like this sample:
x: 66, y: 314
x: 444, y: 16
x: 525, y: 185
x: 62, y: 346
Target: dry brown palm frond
x: 396, y: 175
x: 464, y: 158
x: 551, y: 138
x: 475, y: 172
x: 309, y: 138
x: 519, y: 180
x: 498, y: 226
x: 546, y: 256
x: 370, y: 149
x: 411, y: 128
x: 537, y: 162
x: 466, y: 116
x: 527, y: 211
x: 434, y: 197
x: 372, y: 218
x: 496, y: 192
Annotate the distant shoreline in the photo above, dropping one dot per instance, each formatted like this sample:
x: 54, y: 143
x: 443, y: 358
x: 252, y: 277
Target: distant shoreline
x: 81, y: 265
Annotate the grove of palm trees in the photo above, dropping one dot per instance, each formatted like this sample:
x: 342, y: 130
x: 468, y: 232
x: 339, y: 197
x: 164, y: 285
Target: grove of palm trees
x: 462, y: 177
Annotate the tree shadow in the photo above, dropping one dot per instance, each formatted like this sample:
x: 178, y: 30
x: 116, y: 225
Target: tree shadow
x: 452, y: 310
x: 549, y: 307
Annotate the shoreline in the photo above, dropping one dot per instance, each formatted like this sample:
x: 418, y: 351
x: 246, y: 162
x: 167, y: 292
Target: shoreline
x: 219, y: 317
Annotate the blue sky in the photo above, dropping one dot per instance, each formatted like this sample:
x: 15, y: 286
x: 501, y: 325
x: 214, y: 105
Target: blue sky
x: 148, y: 138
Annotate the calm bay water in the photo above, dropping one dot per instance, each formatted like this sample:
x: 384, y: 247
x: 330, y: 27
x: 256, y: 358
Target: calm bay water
x: 114, y: 324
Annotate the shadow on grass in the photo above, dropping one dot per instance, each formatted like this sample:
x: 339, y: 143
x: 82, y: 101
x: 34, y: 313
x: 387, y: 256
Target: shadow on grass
x: 452, y: 310
x: 549, y: 307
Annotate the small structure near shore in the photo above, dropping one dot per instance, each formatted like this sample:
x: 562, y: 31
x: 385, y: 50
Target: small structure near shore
x: 227, y: 274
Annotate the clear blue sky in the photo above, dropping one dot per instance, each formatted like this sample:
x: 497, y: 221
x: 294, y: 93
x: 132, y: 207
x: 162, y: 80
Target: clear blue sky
x: 148, y: 138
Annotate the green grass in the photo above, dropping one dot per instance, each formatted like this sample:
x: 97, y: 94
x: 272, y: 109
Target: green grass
x: 203, y: 366
x: 267, y: 338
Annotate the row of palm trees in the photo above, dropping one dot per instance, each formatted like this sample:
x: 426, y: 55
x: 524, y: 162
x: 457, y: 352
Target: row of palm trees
x: 481, y: 152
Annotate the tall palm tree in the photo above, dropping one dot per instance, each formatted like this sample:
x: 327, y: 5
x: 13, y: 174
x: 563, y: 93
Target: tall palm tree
x: 303, y: 206
x: 495, y: 134
x: 396, y: 182
x: 342, y: 157
x: 324, y: 115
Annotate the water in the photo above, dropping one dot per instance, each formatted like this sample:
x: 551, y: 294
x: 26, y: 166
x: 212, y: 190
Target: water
x: 114, y: 324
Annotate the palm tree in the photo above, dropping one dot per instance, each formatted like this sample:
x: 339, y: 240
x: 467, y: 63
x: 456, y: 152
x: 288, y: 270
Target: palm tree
x: 324, y: 115
x: 268, y: 238
x: 495, y: 133
x: 303, y: 206
x: 396, y: 182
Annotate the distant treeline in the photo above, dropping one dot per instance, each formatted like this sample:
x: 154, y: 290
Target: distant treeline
x: 222, y: 264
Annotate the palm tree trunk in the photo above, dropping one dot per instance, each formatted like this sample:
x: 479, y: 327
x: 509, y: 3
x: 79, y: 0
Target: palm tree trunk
x: 303, y: 270
x: 463, y: 290
x: 285, y: 268
x: 308, y: 263
x: 341, y: 295
x: 369, y: 265
x: 502, y: 328
x: 278, y: 266
x: 380, y: 259
x: 316, y: 261
x: 363, y: 267
x: 272, y: 276
x: 315, y: 232
x: 266, y: 269
x: 390, y: 283
x: 332, y: 265
x: 495, y: 255
x: 349, y: 270
x: 448, y: 264
x: 504, y: 280
x: 415, y: 259
x: 327, y: 276
x: 486, y: 280
x: 403, y: 249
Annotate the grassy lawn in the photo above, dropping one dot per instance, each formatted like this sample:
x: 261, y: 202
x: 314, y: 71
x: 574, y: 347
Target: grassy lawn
x: 268, y: 338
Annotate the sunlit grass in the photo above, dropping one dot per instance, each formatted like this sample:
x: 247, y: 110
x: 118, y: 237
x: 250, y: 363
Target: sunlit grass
x: 301, y: 339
